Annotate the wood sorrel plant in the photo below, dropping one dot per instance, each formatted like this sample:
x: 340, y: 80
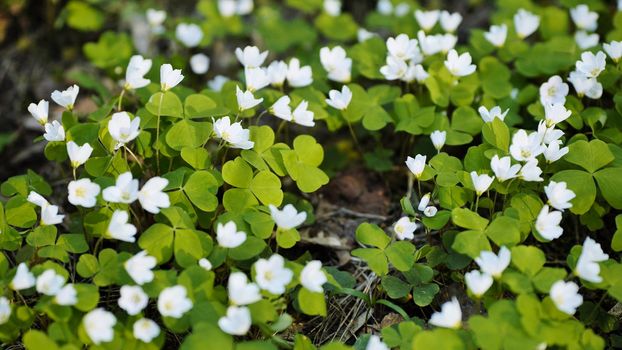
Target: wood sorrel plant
x: 175, y: 221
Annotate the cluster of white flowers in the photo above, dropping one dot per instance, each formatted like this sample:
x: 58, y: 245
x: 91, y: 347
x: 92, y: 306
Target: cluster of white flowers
x: 584, y: 77
x: 403, y: 60
x: 336, y: 63
x: 586, y: 22
x: 228, y: 8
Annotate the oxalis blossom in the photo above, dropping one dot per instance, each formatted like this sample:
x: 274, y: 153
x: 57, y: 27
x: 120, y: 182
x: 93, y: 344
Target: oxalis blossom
x: 139, y: 267
x: 525, y: 146
x: 566, y: 297
x: 256, y: 79
x: 416, y: 165
x: 272, y: 275
x: 438, y: 138
x: 189, y: 34
x: 312, y: 277
x: 614, y: 50
x: 450, y: 21
x: 281, y: 108
x: 459, y: 65
x: 559, y: 195
x: 525, y: 23
x: 98, y: 324
x: 428, y: 210
x: 78, y: 155
x: 83, y: 193
x: 340, y: 100
x: 503, y: 168
x: 119, y: 227
x: 240, y: 291
x: 169, y: 77
x: 374, y: 343
x: 246, y: 100
x: 23, y: 278
x: 66, y: 98
x: 135, y: 72
x: 450, y: 315
x: 478, y: 282
x: 5, y: 310
x: 587, y: 266
x: 555, y: 113
x: 251, y: 56
x: 403, y: 48
x: 233, y: 134
x: 302, y: 116
x: 49, y: 213
x: 49, y: 282
x: 132, y: 299
x: 145, y: 330
x: 287, y: 218
x: 497, y: 34
x: 39, y: 111
x: 152, y: 196
x: 489, y: 115
x: 174, y: 302
x: 237, y: 321
x: 427, y: 19
x: 199, y: 63
x: 297, y: 75
x: 492, y: 263
x: 404, y: 228
x: 553, y: 91
x: 125, y: 190
x: 123, y: 129
x: 66, y: 296
x: 228, y: 235
x: 547, y: 223
x: 481, y: 183
x: 54, y: 132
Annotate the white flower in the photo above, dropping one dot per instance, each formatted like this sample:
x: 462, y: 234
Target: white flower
x: 336, y: 63
x: 547, y: 223
x: 298, y: 76
x: 478, y: 282
x: 553, y: 153
x: 401, y: 9
x: 332, y: 7
x: 385, y: 7
x: 423, y: 203
x: 374, y: 343
x: 277, y: 73
x: 553, y: 91
x: 246, y: 100
x: 559, y: 195
x: 438, y: 139
x: 363, y: 34
x: 430, y: 211
x: 23, y: 278
x: 555, y: 113
x: 272, y: 275
x: 228, y: 235
x: 525, y: 23
x: 288, y: 217
x: 199, y: 63
x: 415, y: 72
x: 98, y: 324
x: 427, y: 19
x: 145, y: 330
x: 566, y: 297
x: 497, y: 34
x: 586, y: 40
x: 312, y: 277
x: 548, y: 135
x: 585, y: 86
x: 416, y: 165
x: 237, y: 322
x: 492, y: 263
x: 394, y: 69
x: 125, y: 190
x: 155, y: 19
x: 206, y: 264
x: 531, y: 171
x: 66, y: 98
x: 591, y: 65
x: 525, y: 147
x: 174, y: 302
x: 217, y: 83
x: 481, y: 183
x: 583, y: 18
x: 450, y: 315
x: 66, y: 296
x: 245, y: 7
x: 50, y: 216
x: 446, y: 41
x: 227, y: 8
x: 587, y: 266
x: 54, y: 131
x: 119, y: 227
x: 490, y: 115
x: 50, y: 283
x: 459, y: 65
x: 450, y: 21
x: 403, y: 48
x: 132, y: 299
x: 430, y: 44
x: 169, y: 77
x: 302, y: 116
x: 78, y: 155
x: 5, y: 310
x: 250, y: 56
x: 151, y: 195
x: 503, y: 168
x: 139, y: 267
x: 234, y: 134
x: 123, y: 129
x: 614, y: 50
x: 40, y: 111
x: 339, y: 100
x: 83, y: 193
x: 240, y: 291
x: 136, y: 70
x: 189, y: 34
x: 281, y: 108
x: 404, y: 228
x: 256, y: 79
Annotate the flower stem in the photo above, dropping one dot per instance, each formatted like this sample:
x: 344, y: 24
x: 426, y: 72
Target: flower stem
x: 158, y: 133
x: 120, y: 99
